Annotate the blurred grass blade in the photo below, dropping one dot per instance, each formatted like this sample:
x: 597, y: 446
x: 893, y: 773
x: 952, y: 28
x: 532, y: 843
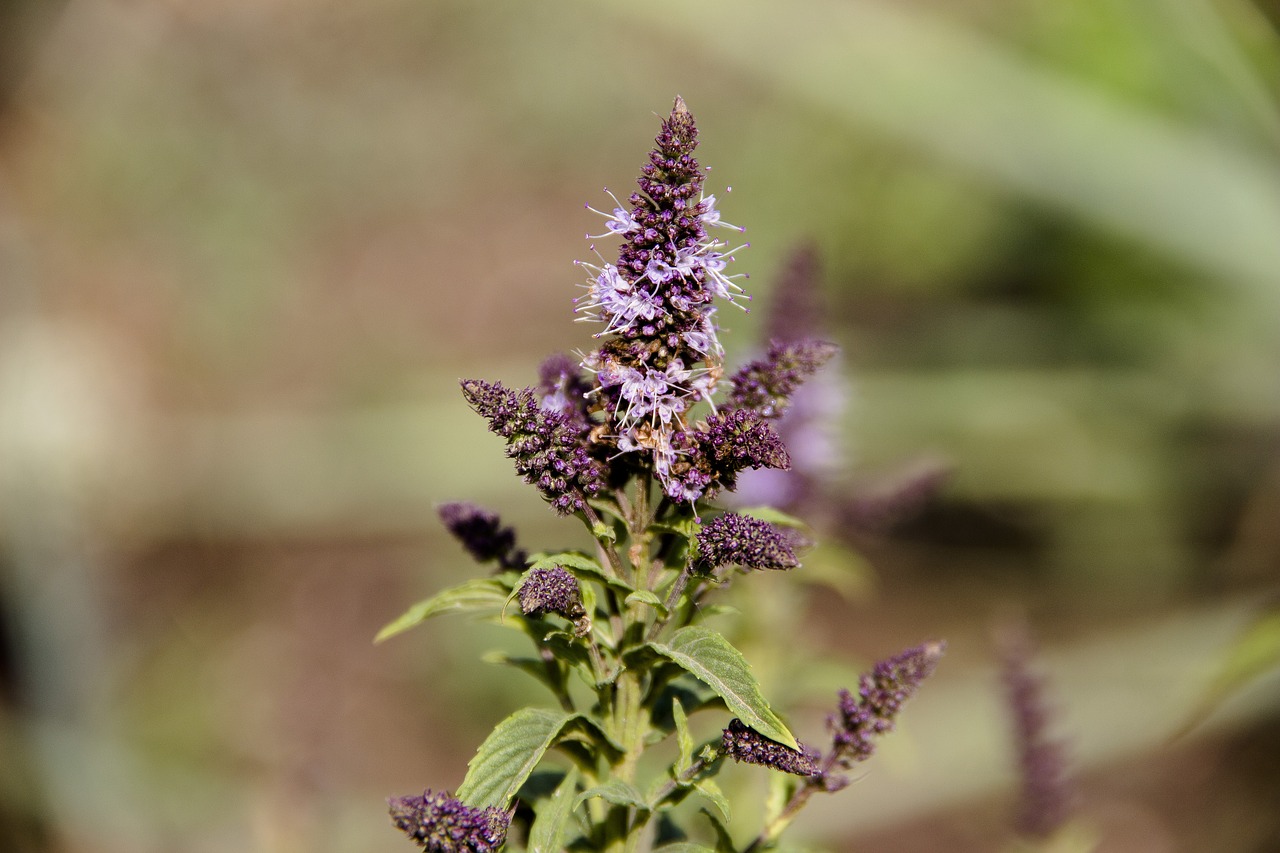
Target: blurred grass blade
x: 1254, y: 654
x: 967, y: 99
x: 486, y: 594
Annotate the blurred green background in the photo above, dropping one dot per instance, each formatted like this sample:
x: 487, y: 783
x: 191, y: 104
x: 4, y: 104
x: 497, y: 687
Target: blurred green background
x: 248, y: 248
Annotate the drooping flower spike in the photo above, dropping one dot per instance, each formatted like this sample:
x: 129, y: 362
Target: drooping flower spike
x: 747, y: 746
x: 482, y: 534
x: 440, y: 823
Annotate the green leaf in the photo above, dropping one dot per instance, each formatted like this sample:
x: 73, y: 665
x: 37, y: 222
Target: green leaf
x: 685, y: 847
x: 551, y: 821
x: 614, y: 791
x: 1253, y: 654
x: 684, y: 739
x: 536, y: 667
x: 709, y: 789
x: 714, y: 661
x: 773, y: 516
x: 509, y: 754
x: 482, y: 594
x: 724, y: 842
x: 644, y: 596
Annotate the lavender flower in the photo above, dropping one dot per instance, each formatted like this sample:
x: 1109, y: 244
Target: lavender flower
x: 439, y: 823
x: 552, y: 590
x: 550, y: 452
x: 656, y: 302
x: 482, y: 534
x: 747, y: 746
x: 881, y: 694
x: 737, y: 439
x: 733, y: 539
x: 1046, y: 800
x: 766, y: 385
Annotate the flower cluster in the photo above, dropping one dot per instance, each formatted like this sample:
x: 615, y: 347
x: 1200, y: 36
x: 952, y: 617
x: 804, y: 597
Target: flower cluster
x: 747, y: 746
x: 733, y: 539
x: 766, y: 385
x: 440, y: 823
x: 881, y: 694
x: 663, y: 355
x: 482, y: 534
x: 549, y: 449
x: 551, y: 590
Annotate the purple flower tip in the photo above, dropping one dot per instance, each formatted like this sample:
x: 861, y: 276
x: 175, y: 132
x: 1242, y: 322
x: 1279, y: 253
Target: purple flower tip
x: 746, y: 745
x: 440, y: 823
x: 766, y: 385
x: 737, y: 439
x: 551, y: 590
x: 733, y: 539
x: 482, y: 534
x: 549, y: 450
x: 881, y: 694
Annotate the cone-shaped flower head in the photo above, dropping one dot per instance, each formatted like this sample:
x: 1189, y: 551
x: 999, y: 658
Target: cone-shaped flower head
x: 746, y: 745
x: 881, y: 693
x: 766, y: 385
x: 737, y: 439
x: 662, y: 355
x: 552, y: 590
x: 482, y: 534
x: 740, y: 540
x: 549, y: 451
x: 439, y: 823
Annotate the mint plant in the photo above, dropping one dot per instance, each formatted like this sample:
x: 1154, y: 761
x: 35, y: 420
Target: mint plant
x: 628, y: 439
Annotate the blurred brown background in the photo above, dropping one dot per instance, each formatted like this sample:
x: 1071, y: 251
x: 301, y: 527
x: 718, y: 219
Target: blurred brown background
x: 248, y: 248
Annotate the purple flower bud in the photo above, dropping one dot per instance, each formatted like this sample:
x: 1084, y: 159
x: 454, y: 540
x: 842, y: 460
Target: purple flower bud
x: 737, y: 439
x: 482, y: 534
x: 549, y: 451
x: 551, y: 590
x: 863, y: 718
x: 766, y: 385
x: 1046, y: 800
x: 746, y: 745
x: 439, y: 823
x: 733, y: 539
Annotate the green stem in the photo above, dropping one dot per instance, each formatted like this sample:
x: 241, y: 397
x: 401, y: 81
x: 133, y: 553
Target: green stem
x: 606, y: 545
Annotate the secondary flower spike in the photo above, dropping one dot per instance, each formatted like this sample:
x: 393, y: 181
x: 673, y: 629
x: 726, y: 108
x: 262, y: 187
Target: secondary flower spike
x: 733, y: 539
x: 482, y: 534
x: 766, y: 385
x: 881, y: 695
x: 439, y: 823
x: 746, y: 745
x: 551, y: 590
x: 549, y: 450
